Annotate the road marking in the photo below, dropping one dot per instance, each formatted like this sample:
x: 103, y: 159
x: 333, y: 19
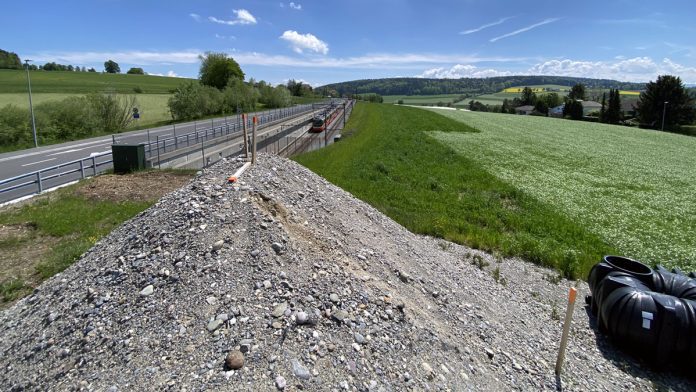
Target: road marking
x: 51, y: 150
x: 99, y: 153
x: 66, y: 152
x: 36, y: 163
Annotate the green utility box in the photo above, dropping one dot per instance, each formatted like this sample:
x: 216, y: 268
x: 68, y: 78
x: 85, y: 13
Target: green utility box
x: 128, y: 157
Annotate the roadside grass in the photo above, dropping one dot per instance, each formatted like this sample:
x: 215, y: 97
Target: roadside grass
x: 15, y: 81
x: 391, y: 162
x: 59, y: 227
x: 634, y: 188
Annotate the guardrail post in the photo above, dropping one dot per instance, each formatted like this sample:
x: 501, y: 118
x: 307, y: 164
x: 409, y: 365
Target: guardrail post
x: 94, y: 165
x: 82, y: 169
x: 253, y: 142
x: 203, y: 154
x: 149, y: 143
x: 246, y: 137
x: 159, y: 163
x: 38, y: 181
x: 176, y: 141
x: 113, y: 139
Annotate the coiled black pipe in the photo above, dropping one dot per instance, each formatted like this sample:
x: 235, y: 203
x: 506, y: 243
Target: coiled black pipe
x: 651, y: 313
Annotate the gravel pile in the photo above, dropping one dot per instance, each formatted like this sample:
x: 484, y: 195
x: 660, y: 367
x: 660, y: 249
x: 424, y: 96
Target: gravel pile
x: 286, y: 282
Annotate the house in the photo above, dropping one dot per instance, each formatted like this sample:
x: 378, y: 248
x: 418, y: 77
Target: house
x: 590, y: 106
x: 526, y: 109
x: 557, y: 111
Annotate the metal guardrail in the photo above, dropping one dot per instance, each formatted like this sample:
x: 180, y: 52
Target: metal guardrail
x: 40, y: 180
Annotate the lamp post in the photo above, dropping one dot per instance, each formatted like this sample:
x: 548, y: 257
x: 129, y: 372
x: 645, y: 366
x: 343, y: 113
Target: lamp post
x: 31, y: 106
x: 664, y: 111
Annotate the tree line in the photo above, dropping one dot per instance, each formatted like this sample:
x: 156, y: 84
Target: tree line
x: 471, y: 86
x: 665, y: 102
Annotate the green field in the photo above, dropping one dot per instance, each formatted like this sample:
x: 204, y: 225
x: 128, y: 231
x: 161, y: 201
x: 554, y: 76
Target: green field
x: 634, y: 188
x: 395, y: 162
x: 13, y: 81
x: 422, y: 99
x: 153, y: 107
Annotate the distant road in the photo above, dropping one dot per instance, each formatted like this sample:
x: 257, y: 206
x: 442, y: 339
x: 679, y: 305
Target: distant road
x: 25, y: 161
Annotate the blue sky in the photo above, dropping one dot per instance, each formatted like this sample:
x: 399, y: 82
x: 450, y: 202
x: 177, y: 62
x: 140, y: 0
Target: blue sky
x: 330, y: 41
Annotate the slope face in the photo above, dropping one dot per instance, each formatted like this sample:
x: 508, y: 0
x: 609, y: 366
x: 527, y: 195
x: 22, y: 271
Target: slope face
x: 318, y: 290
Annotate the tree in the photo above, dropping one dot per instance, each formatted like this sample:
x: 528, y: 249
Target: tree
x: 217, y: 69
x: 92, y: 70
x: 136, y: 71
x: 678, y: 110
x: 9, y: 60
x: 542, y: 107
x: 573, y: 109
x: 528, y: 97
x: 577, y: 92
x: 111, y: 66
x: 603, y: 110
x: 612, y: 114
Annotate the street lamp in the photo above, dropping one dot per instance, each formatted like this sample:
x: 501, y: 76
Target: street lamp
x: 31, y: 106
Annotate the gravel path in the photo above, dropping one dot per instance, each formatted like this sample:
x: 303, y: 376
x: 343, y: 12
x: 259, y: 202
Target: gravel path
x: 284, y: 281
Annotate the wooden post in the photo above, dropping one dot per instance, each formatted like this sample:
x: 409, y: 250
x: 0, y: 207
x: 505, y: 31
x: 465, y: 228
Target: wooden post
x: 246, y: 137
x: 253, y: 141
x: 566, y: 327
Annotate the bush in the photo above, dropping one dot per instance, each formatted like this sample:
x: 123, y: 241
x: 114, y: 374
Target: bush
x: 14, y: 126
x: 137, y: 90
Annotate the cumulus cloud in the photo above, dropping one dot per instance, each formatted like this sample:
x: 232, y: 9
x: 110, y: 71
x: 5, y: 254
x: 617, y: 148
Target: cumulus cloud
x: 129, y: 57
x: 522, y: 30
x: 485, y: 26
x: 638, y: 69
x: 230, y: 37
x: 242, y: 17
x: 170, y: 74
x: 301, y: 42
x: 462, y: 71
x: 295, y: 6
x: 195, y: 17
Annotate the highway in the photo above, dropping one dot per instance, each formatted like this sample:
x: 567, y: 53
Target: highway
x: 27, y: 161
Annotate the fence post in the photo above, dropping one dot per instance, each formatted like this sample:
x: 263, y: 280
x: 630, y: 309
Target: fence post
x: 159, y: 163
x: 149, y: 143
x: 202, y: 154
x: 38, y: 175
x: 176, y: 141
x: 94, y: 165
x: 82, y: 169
x: 113, y: 139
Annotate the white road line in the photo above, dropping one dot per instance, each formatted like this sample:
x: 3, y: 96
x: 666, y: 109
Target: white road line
x: 66, y: 152
x: 36, y: 163
x: 51, y: 150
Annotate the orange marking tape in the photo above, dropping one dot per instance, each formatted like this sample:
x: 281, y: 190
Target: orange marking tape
x: 573, y: 293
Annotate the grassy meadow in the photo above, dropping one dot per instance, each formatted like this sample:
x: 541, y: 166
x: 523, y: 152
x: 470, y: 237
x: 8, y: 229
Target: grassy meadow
x: 422, y: 99
x: 14, y: 81
x: 632, y: 187
x: 395, y: 161
x: 152, y: 107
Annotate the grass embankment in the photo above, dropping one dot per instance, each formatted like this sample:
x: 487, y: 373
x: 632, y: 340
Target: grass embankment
x: 46, y: 235
x: 391, y: 162
x: 423, y: 99
x: 633, y: 187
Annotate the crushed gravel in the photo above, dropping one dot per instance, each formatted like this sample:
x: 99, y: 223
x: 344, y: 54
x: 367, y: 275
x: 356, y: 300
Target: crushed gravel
x: 285, y: 282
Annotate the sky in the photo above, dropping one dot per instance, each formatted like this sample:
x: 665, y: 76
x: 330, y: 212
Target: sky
x: 327, y: 41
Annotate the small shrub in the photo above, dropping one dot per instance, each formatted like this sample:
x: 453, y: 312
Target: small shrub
x: 479, y: 262
x: 554, y: 312
x: 137, y: 90
x: 498, y: 278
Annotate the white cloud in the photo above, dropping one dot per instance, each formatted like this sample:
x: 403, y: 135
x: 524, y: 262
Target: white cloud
x: 230, y: 37
x: 195, y: 17
x: 294, y: 6
x: 132, y: 57
x: 462, y: 71
x: 522, y: 30
x: 301, y: 42
x: 485, y: 26
x: 242, y: 17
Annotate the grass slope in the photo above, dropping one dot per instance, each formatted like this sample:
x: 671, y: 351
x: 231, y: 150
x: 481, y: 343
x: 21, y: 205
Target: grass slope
x: 15, y: 81
x: 421, y: 99
x: 635, y: 188
x: 391, y: 162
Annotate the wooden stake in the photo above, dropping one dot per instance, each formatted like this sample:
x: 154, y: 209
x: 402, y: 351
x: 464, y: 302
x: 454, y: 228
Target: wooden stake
x: 246, y: 137
x: 566, y: 328
x: 253, y: 142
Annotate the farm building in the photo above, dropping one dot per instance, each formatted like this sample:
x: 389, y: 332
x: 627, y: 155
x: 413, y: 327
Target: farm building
x: 557, y: 111
x: 526, y: 109
x: 590, y: 106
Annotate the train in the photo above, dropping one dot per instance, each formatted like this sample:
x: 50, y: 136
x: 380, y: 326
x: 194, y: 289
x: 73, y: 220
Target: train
x: 321, y: 122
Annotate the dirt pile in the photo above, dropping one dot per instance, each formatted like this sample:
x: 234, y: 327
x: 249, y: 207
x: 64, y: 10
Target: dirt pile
x: 284, y: 281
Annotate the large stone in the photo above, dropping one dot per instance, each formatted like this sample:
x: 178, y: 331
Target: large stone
x: 234, y: 360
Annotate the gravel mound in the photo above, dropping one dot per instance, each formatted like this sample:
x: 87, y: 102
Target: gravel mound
x: 286, y: 282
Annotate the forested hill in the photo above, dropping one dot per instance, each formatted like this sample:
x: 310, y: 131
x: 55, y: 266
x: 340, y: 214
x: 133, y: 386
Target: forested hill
x: 421, y: 86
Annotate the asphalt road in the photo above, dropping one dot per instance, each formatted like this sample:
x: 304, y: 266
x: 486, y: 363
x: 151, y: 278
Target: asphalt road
x: 23, y: 162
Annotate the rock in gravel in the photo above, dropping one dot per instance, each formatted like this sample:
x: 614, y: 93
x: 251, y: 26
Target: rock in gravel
x: 413, y: 315
x: 148, y: 290
x: 279, y: 310
x: 299, y: 370
x: 280, y: 382
x: 277, y: 247
x: 234, y: 360
x: 218, y: 245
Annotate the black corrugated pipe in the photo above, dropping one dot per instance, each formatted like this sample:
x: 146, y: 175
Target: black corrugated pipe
x: 650, y: 313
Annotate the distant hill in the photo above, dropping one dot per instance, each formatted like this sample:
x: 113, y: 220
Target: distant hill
x: 15, y: 81
x: 473, y: 86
